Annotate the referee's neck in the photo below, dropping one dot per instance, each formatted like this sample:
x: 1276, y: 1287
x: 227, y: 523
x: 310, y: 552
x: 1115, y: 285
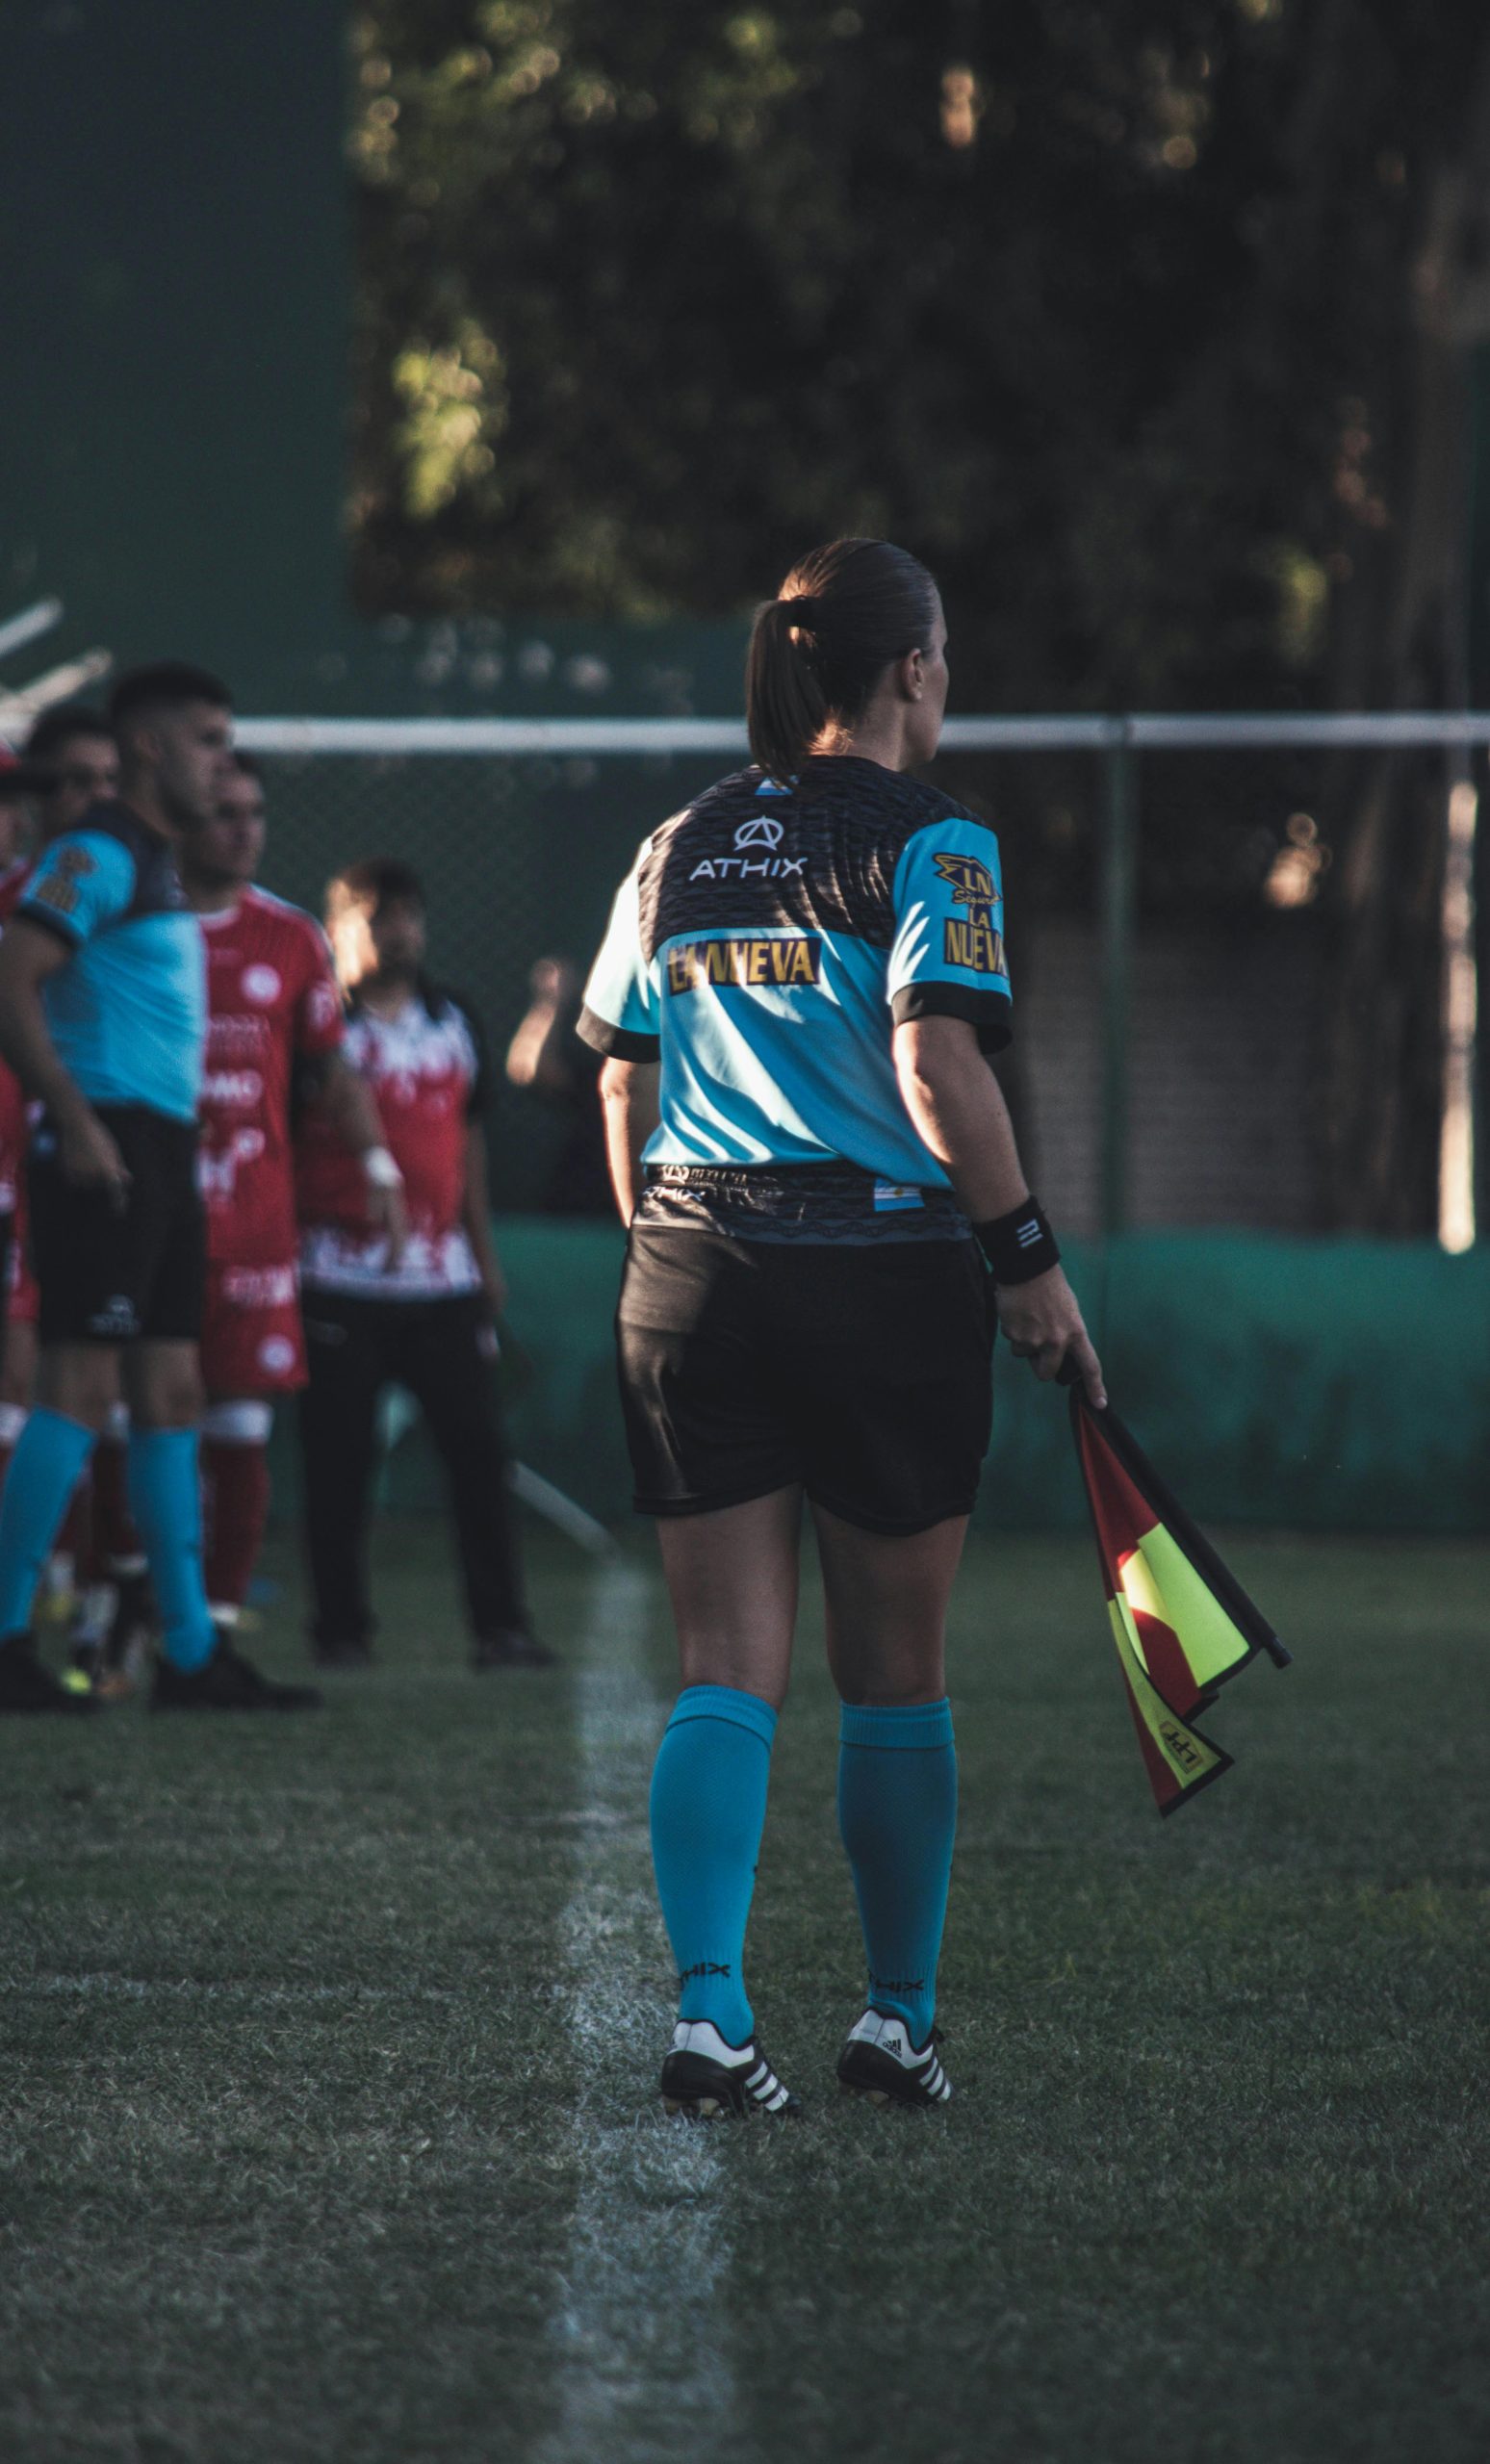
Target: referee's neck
x: 140, y: 796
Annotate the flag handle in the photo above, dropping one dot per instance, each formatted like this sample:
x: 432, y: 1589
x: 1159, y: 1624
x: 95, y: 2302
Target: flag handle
x: 1247, y: 1616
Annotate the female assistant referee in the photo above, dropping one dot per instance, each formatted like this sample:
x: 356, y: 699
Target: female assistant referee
x: 803, y: 976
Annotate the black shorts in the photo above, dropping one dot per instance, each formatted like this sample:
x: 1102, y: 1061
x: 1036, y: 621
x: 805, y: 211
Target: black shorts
x: 117, y: 1275
x: 863, y: 1374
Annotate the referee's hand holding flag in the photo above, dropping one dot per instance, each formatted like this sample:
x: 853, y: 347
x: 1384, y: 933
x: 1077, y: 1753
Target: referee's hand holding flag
x: 1044, y: 1324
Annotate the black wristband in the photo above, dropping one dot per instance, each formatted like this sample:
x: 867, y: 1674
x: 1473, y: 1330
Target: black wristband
x: 1019, y: 1246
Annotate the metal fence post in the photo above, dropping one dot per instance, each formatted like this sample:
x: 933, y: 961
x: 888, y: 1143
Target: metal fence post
x: 1119, y: 851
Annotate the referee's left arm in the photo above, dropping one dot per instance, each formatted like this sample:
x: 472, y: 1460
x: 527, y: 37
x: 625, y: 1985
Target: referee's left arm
x: 29, y: 954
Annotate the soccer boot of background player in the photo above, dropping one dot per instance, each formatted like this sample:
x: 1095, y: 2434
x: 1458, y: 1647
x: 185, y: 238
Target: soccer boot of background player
x: 26, y: 1685
x: 512, y: 1647
x: 354, y: 1651
x: 708, y: 2079
x: 226, y: 1682
x: 127, y: 1643
x: 879, y: 2063
x: 92, y: 1618
x: 111, y: 1633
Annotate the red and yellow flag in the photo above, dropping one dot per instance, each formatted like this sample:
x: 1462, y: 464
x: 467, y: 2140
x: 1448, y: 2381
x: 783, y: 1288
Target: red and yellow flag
x: 1183, y: 1625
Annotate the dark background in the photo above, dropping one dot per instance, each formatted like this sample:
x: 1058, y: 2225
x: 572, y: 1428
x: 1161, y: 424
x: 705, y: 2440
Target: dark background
x: 364, y: 354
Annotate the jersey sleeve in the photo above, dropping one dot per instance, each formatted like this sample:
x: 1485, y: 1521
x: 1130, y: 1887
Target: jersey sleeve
x: 622, y: 1013
x: 318, y: 1025
x: 947, y: 957
x: 84, y: 880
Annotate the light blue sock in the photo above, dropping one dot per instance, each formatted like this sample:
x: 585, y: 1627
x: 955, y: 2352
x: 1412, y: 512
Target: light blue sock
x: 708, y: 1802
x: 166, y: 1500
x: 897, y: 1814
x: 50, y: 1457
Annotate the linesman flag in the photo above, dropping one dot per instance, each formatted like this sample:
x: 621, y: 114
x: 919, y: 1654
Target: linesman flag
x: 1183, y: 1625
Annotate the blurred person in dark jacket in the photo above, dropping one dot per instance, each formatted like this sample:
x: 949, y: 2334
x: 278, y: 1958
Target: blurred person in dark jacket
x: 547, y: 1055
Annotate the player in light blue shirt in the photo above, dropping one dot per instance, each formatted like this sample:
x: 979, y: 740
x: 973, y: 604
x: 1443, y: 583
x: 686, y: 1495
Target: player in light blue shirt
x: 103, y: 1016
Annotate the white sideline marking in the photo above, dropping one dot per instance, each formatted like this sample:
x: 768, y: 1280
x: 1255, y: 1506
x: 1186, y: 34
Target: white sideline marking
x: 641, y: 2348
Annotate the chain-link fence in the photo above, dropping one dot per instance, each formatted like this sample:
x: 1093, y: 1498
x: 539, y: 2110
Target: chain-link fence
x: 1169, y: 942
x: 519, y: 857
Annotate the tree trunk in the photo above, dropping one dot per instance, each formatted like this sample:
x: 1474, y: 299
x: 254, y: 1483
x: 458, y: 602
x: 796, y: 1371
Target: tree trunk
x: 1401, y: 645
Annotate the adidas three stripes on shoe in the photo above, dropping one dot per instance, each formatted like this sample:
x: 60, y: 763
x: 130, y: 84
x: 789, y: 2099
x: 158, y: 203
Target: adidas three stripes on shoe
x: 879, y: 2063
x: 706, y: 2077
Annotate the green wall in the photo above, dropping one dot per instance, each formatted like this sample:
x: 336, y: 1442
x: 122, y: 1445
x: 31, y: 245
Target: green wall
x: 175, y: 253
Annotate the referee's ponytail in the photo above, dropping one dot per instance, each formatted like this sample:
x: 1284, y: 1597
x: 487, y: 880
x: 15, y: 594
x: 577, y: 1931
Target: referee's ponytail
x: 842, y: 616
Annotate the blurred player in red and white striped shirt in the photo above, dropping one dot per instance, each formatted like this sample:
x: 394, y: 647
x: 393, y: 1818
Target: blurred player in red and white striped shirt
x: 424, y: 1321
x: 275, y: 1024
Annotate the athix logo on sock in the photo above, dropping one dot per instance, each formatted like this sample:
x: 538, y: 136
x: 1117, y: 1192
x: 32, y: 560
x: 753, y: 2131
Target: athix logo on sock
x: 704, y: 1968
x: 899, y: 1984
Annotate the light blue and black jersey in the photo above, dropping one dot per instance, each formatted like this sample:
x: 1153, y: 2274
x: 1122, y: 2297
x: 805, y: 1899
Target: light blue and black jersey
x: 128, y: 1013
x: 763, y: 947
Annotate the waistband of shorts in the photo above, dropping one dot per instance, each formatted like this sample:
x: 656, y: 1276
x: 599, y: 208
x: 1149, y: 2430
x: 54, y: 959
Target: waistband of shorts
x: 145, y: 1117
x: 817, y: 1203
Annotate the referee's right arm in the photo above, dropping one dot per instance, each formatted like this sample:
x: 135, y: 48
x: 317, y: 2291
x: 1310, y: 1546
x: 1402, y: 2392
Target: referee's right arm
x: 629, y: 1100
x: 28, y: 955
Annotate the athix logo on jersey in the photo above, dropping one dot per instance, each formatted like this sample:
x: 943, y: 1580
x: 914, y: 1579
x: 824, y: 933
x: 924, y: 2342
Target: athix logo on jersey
x: 794, y: 958
x: 971, y: 942
x: 761, y: 831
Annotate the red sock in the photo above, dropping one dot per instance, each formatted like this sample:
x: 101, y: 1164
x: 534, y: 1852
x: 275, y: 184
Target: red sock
x: 117, y: 1546
x: 236, y: 1499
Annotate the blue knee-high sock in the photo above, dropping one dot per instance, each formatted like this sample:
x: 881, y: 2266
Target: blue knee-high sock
x: 49, y: 1460
x: 166, y: 1500
x: 708, y: 1801
x: 897, y: 1814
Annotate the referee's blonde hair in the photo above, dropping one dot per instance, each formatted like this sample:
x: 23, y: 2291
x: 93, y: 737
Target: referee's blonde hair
x: 843, y: 615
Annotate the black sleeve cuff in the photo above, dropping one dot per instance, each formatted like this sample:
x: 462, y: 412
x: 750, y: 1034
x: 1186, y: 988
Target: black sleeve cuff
x: 59, y: 929
x: 990, y: 1013
x: 617, y: 1043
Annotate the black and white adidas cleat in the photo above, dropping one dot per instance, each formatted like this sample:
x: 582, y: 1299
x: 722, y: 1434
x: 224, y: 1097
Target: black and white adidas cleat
x: 707, y: 2078
x: 879, y: 2063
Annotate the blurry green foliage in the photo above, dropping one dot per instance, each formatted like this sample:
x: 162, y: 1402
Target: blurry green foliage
x: 1146, y: 322
x: 1100, y: 309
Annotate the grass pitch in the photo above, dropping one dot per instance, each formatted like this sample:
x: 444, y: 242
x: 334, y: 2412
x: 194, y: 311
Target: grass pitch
x: 329, y: 2130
